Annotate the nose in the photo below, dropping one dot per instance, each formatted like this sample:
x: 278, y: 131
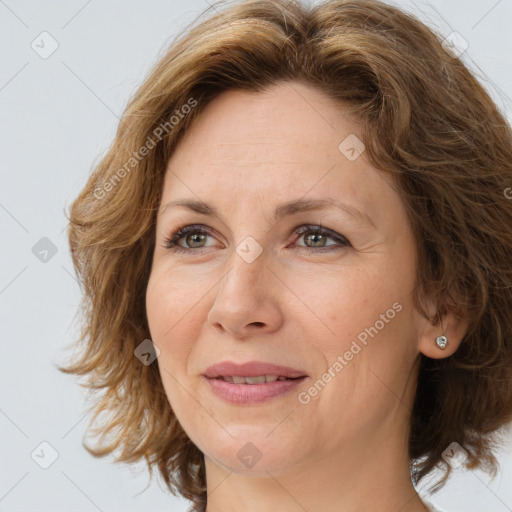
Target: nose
x: 248, y: 299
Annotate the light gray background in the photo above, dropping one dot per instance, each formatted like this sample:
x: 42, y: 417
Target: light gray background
x: 58, y: 116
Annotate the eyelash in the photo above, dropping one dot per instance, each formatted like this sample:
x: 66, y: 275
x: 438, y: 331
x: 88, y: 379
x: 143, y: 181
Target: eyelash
x: 171, y: 242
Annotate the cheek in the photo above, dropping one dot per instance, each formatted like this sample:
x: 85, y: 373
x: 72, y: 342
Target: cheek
x: 171, y: 330
x: 170, y: 318
x: 341, y: 303
x: 365, y: 313
x: 157, y: 302
x: 170, y: 299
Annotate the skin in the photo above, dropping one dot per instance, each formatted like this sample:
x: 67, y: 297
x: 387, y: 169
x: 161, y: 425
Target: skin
x: 345, y: 450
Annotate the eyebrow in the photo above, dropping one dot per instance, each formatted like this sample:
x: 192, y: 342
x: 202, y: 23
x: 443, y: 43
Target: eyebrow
x: 292, y: 207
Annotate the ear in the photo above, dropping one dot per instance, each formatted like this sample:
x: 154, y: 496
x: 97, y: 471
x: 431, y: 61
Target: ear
x: 449, y: 324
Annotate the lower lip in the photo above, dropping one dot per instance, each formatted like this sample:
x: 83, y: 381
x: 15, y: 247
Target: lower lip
x: 252, y: 393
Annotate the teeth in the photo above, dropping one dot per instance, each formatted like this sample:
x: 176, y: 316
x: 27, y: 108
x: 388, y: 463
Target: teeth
x: 255, y: 380
x: 252, y: 380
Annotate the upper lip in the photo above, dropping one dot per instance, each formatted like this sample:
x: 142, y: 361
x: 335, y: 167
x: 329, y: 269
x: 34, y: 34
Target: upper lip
x: 251, y: 369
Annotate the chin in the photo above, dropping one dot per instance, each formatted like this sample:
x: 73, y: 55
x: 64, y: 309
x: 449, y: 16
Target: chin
x: 253, y: 453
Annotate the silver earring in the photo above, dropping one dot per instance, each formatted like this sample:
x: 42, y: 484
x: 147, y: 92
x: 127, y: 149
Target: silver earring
x: 441, y: 341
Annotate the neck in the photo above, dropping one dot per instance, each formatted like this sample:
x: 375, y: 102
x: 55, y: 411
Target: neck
x: 360, y: 476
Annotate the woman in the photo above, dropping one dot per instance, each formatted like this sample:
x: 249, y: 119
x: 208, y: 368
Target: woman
x: 296, y: 263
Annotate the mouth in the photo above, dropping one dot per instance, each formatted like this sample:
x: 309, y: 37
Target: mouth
x: 253, y: 382
x: 249, y: 391
x: 261, y: 379
x: 252, y: 372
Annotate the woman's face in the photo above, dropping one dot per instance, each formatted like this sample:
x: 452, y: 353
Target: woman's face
x: 337, y: 306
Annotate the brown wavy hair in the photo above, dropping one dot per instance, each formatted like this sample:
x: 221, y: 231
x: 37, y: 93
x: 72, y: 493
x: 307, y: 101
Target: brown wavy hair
x: 425, y: 119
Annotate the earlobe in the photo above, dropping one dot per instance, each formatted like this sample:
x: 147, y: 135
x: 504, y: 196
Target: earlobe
x: 442, y: 339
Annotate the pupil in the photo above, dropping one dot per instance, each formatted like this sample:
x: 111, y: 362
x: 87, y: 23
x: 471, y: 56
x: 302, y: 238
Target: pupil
x: 195, y: 236
x: 316, y: 235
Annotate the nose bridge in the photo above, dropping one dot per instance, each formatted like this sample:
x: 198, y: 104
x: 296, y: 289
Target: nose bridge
x: 247, y: 266
x: 252, y: 233
x: 249, y: 236
x: 244, y: 300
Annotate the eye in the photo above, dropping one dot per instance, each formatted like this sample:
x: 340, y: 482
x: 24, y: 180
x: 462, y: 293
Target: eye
x: 195, y: 236
x: 317, y: 235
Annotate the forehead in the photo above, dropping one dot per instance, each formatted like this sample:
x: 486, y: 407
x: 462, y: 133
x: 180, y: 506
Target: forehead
x: 250, y: 125
x: 280, y: 143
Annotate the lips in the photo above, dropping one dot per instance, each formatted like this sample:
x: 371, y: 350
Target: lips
x: 235, y: 379
x: 252, y: 383
x: 228, y: 370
